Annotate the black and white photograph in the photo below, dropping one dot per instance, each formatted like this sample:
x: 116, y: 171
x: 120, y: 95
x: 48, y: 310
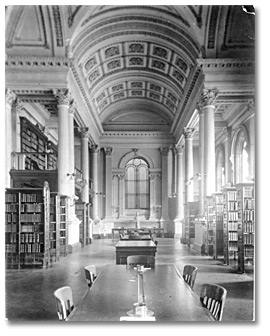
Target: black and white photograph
x: 129, y: 167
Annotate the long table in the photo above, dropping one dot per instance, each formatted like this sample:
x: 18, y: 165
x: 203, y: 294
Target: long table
x: 125, y: 248
x: 125, y: 230
x: 115, y: 291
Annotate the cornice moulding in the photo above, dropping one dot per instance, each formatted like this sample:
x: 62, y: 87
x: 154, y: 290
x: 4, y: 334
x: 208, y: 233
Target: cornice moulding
x: 47, y: 62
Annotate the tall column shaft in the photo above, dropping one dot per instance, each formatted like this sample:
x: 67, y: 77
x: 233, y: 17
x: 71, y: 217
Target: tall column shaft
x: 10, y: 98
x: 85, y: 163
x: 71, y: 148
x: 164, y: 184
x: 108, y: 153
x: 121, y: 194
x: 207, y: 103
x: 64, y: 98
x: 180, y: 183
x: 227, y: 150
x: 251, y: 109
x: 201, y: 161
x: 94, y: 162
x: 188, y: 133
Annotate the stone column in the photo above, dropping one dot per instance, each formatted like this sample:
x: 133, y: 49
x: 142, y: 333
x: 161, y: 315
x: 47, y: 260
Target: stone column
x: 179, y: 190
x: 152, y: 196
x: 63, y: 97
x: 108, y: 183
x: 251, y: 157
x: 201, y: 159
x: 71, y: 112
x: 94, y: 177
x: 188, y: 133
x: 121, y: 194
x: 227, y: 149
x: 207, y: 103
x: 84, y: 131
x: 164, y: 186
x: 10, y: 99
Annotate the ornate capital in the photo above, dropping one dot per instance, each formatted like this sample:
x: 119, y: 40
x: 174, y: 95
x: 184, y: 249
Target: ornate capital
x: 174, y: 150
x: 18, y: 105
x: 121, y: 176
x: 188, y: 132
x: 84, y: 132
x: 72, y: 107
x: 63, y: 96
x: 94, y: 149
x: 208, y: 98
x: 108, y: 151
x: 153, y: 176
x: 10, y: 97
x: 164, y: 151
x: 180, y: 149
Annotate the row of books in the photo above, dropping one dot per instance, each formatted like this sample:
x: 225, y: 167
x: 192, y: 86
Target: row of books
x: 232, y: 226
x: 12, y: 218
x: 248, y: 239
x: 33, y: 218
x: 11, y: 207
x: 31, y: 238
x: 233, y: 236
x: 249, y: 215
x: 11, y: 248
x: 11, y: 228
x: 38, y: 198
x: 249, y: 204
x: 11, y: 198
x: 233, y: 246
x: 249, y: 251
x: 32, y: 207
x: 32, y: 228
x: 31, y: 248
x: 231, y: 206
x: 231, y: 196
x: 12, y: 238
x: 249, y: 227
x: 232, y: 216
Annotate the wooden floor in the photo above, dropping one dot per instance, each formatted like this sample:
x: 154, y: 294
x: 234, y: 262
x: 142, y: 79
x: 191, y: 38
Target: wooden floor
x: 29, y: 293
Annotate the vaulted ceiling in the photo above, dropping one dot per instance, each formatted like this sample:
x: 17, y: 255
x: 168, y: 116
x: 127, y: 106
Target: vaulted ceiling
x: 136, y: 66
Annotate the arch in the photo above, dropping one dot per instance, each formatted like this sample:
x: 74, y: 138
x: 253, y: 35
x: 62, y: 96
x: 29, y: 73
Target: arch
x: 128, y: 156
x: 240, y: 146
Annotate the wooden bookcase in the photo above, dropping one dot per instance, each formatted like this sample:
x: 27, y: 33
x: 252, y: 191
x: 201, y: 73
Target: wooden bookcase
x: 230, y: 218
x: 27, y: 227
x: 54, y: 227
x: 63, y: 230
x: 34, y: 142
x: 82, y: 212
x: 218, y: 225
x: 210, y: 230
x: 246, y: 225
x: 192, y: 214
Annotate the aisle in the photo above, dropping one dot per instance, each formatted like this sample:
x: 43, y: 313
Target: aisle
x: 29, y: 293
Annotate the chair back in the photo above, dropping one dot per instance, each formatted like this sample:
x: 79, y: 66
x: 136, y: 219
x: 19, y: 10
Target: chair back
x: 213, y: 298
x: 90, y: 274
x: 64, y: 302
x: 145, y: 260
x: 189, y: 274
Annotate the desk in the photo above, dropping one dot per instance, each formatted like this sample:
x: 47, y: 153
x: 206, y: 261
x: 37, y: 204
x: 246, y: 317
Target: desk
x: 115, y: 291
x: 119, y: 230
x: 139, y: 237
x: 125, y: 248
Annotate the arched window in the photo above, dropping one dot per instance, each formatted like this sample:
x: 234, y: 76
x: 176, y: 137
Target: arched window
x: 137, y: 184
x: 241, y: 158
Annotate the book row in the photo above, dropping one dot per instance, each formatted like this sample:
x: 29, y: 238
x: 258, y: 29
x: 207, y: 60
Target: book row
x: 11, y: 228
x: 32, y: 228
x: 31, y: 237
x: 233, y: 236
x: 31, y: 248
x: 249, y: 227
x: 33, y: 218
x: 248, y: 239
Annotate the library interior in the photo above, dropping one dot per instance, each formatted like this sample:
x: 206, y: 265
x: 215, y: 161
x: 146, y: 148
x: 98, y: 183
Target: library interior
x: 130, y: 131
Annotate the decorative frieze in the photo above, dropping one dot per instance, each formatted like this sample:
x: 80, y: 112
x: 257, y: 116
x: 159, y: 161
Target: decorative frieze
x: 188, y: 132
x: 44, y: 62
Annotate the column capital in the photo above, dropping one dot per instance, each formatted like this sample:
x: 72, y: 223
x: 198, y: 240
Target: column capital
x: 174, y: 150
x: 164, y: 151
x: 10, y: 97
x: 180, y: 149
x: 227, y: 131
x: 84, y: 132
x: 94, y: 149
x: 153, y: 176
x: 188, y: 132
x: 121, y: 176
x: 63, y: 96
x: 72, y: 107
x: 208, y: 98
x: 108, y: 151
x: 18, y: 105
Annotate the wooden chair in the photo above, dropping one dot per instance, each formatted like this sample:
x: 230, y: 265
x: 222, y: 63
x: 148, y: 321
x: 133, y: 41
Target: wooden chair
x: 64, y: 302
x: 90, y: 274
x: 189, y: 275
x: 145, y: 260
x: 213, y: 298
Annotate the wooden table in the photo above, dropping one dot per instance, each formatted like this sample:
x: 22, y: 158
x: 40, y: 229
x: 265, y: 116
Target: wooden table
x: 139, y: 237
x: 125, y: 248
x: 115, y: 291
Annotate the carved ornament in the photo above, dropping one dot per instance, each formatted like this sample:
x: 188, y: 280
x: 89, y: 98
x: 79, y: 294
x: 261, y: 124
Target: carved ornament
x: 63, y: 96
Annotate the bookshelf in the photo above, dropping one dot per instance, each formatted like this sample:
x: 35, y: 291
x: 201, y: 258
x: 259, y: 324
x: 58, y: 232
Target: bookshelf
x: 34, y: 142
x: 230, y: 217
x: 218, y: 225
x: 27, y: 227
x: 82, y: 212
x: 54, y: 227
x: 246, y: 225
x: 63, y: 230
x: 193, y: 212
x: 209, y: 217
